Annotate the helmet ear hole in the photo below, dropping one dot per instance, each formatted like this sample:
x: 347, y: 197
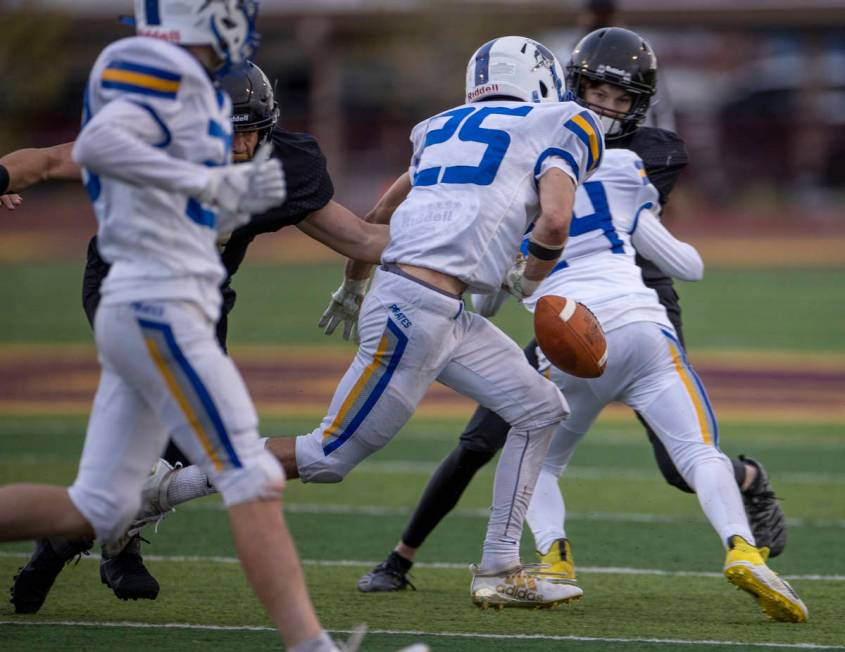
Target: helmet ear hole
x: 544, y: 90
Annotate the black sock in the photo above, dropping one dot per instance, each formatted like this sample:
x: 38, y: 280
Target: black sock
x: 398, y: 561
x: 443, y: 492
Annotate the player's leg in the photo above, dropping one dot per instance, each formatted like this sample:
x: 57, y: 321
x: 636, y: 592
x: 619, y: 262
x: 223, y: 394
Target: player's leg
x: 490, y: 368
x: 121, y: 567
x: 672, y: 399
x: 407, y: 335
x: 200, y: 397
x: 482, y: 438
x: 767, y: 520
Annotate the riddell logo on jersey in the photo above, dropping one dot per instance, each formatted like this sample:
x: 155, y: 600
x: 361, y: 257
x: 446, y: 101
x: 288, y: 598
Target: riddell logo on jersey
x: 482, y: 90
x: 173, y: 35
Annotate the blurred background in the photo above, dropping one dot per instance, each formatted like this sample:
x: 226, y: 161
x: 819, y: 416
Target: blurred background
x: 755, y: 87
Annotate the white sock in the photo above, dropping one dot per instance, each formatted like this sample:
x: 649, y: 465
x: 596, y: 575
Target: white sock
x: 187, y: 484
x: 720, y: 499
x: 547, y: 512
x: 516, y: 474
x: 320, y: 643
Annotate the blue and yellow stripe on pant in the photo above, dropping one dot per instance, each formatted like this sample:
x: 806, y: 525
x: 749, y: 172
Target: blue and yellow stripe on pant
x: 698, y: 395
x: 367, y: 389
x: 190, y: 394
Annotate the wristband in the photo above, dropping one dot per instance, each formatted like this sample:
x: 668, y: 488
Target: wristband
x: 4, y: 179
x: 542, y: 252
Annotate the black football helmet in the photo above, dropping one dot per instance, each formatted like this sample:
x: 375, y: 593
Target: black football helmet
x: 253, y: 106
x: 615, y: 56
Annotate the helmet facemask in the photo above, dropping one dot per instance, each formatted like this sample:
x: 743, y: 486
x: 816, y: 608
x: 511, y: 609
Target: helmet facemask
x: 621, y: 58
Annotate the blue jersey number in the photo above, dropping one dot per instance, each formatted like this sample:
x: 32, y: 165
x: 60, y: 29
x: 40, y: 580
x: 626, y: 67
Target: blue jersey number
x: 598, y: 220
x: 497, y: 142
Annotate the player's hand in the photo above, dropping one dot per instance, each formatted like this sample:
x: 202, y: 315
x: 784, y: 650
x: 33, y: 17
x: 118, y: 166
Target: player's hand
x: 343, y: 308
x: 11, y: 201
x: 252, y: 187
x: 515, y: 282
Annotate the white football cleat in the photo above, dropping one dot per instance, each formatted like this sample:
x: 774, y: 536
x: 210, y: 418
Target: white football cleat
x: 517, y: 587
x: 154, y: 505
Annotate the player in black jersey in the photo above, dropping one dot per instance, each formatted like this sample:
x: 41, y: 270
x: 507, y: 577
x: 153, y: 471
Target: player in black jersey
x: 309, y: 206
x: 624, y: 61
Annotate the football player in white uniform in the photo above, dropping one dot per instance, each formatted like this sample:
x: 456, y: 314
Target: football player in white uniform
x: 647, y: 369
x: 480, y: 174
x: 156, y: 152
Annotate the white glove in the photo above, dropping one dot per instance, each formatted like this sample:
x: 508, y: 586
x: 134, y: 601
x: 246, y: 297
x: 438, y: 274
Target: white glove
x: 515, y: 282
x: 252, y: 187
x: 344, y: 306
x: 267, y: 187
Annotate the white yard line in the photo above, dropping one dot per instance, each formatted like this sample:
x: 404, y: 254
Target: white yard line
x: 444, y: 565
x: 615, y: 517
x: 423, y: 634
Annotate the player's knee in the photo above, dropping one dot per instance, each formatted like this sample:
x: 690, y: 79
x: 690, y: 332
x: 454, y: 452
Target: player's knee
x: 260, y: 478
x: 328, y: 470
x: 549, y: 407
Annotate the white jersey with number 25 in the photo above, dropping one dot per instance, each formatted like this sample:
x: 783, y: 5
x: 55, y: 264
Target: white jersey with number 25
x: 475, y: 171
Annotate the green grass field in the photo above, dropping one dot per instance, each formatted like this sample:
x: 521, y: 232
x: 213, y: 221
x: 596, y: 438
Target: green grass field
x: 647, y: 560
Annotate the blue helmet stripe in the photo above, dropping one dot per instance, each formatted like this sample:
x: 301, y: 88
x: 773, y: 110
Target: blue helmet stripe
x: 482, y: 63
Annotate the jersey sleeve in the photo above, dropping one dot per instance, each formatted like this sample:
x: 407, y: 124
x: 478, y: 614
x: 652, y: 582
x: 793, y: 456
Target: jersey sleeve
x: 577, y: 149
x: 134, y: 96
x: 417, y: 143
x: 654, y: 241
x: 309, y: 185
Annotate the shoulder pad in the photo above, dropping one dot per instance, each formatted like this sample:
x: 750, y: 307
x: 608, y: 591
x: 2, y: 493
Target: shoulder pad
x: 659, y: 148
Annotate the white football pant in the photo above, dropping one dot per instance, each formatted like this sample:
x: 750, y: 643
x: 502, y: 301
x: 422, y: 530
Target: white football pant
x: 647, y: 370
x: 165, y: 375
x: 411, y: 335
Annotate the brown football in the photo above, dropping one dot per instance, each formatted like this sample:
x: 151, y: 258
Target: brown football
x: 570, y: 336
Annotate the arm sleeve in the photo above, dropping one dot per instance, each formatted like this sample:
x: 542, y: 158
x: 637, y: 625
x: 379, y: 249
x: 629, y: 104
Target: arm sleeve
x: 653, y: 241
x: 124, y: 140
x: 577, y: 150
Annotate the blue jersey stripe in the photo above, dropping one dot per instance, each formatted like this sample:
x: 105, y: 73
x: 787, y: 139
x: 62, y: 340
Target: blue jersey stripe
x: 141, y: 90
x: 566, y: 156
x: 168, y: 137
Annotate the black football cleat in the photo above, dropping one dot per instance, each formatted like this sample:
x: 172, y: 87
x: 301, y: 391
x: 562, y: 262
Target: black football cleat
x: 766, y: 518
x: 125, y: 573
x: 34, y: 580
x: 385, y: 577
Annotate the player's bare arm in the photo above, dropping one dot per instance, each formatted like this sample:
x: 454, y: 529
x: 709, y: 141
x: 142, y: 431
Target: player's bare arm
x: 27, y: 167
x: 24, y: 168
x: 339, y: 228
x: 557, y: 196
x: 346, y: 300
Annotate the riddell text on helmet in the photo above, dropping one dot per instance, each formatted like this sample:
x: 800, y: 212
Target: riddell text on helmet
x: 482, y: 90
x: 168, y: 35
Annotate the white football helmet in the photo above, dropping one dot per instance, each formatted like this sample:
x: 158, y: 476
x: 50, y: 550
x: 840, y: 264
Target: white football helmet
x: 514, y: 66
x: 228, y: 26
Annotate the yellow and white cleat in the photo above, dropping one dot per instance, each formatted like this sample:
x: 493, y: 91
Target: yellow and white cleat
x: 517, y: 587
x: 745, y: 568
x: 557, y: 565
